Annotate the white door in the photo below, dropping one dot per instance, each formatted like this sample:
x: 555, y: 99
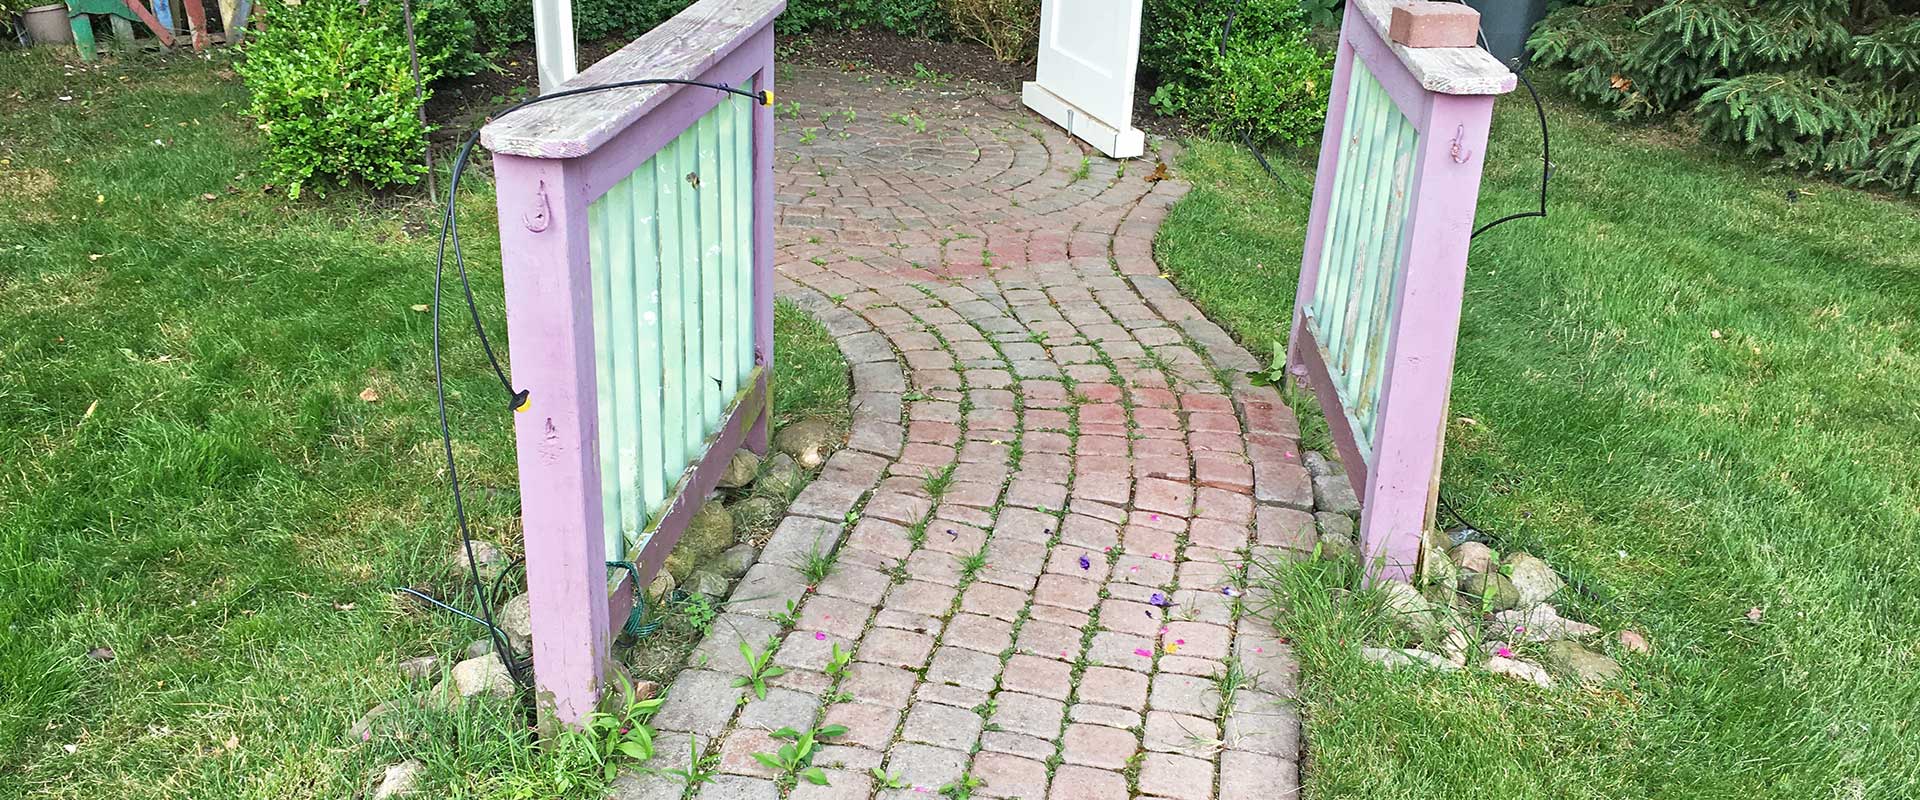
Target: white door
x: 1089, y: 53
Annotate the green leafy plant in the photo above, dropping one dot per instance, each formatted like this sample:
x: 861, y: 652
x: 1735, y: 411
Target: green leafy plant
x: 760, y: 667
x: 614, y: 739
x: 838, y: 661
x: 1826, y: 87
x: 699, y: 612
x: 333, y: 95
x: 794, y: 760
x: 1009, y: 28
x: 888, y: 780
x: 789, y: 616
x: 961, y: 789
x: 1268, y: 82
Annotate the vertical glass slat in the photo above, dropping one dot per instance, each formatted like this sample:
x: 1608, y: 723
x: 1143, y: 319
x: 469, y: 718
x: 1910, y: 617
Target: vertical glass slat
x: 707, y: 133
x: 1354, y: 193
x: 603, y: 365
x: 729, y: 258
x: 1325, y: 293
x: 646, y: 367
x: 1377, y: 230
x: 687, y: 263
x: 1366, y: 233
x: 673, y: 323
x: 742, y: 228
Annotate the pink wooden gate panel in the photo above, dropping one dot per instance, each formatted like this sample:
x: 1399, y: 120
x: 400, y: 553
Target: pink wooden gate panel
x: 1378, y: 309
x: 636, y: 233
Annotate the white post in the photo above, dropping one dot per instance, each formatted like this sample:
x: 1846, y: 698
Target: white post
x: 1089, y: 53
x: 553, y: 42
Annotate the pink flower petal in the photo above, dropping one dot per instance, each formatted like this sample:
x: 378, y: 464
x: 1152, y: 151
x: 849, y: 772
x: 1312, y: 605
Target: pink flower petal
x: 819, y: 636
x: 1141, y: 651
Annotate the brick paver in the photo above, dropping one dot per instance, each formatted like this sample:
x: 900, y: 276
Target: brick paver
x: 1053, y: 621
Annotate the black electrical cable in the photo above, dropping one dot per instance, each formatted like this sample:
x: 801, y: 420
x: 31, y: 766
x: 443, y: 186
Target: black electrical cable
x: 1546, y: 160
x: 518, y: 400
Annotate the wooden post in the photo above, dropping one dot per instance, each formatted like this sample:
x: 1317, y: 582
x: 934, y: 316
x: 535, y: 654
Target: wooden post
x: 197, y: 23
x: 83, y: 36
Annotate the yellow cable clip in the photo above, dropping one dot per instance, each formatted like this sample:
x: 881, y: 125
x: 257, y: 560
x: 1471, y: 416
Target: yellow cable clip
x: 766, y: 97
x: 523, y: 400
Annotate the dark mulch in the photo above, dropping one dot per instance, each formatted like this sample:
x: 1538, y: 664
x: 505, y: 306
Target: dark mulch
x: 459, y: 105
x: 881, y: 51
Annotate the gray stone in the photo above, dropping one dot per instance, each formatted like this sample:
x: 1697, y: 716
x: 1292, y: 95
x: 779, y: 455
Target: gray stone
x: 662, y: 585
x: 1333, y: 493
x: 515, y: 618
x: 709, y: 533
x: 483, y: 675
x: 1331, y: 523
x: 699, y: 701
x: 1492, y: 588
x: 756, y: 513
x: 809, y: 441
x: 781, y: 477
x: 741, y: 469
x: 1532, y: 578
x: 400, y: 780
x: 1633, y: 642
x: 1436, y: 569
x: 477, y: 648
x: 1542, y: 623
x: 1318, y: 465
x: 362, y: 729
x: 736, y: 561
x: 486, y: 555
x: 1338, y: 547
x: 1574, y: 658
x: 1472, y: 557
x: 738, y: 787
x: 1519, y: 671
x: 709, y: 583
x: 422, y: 668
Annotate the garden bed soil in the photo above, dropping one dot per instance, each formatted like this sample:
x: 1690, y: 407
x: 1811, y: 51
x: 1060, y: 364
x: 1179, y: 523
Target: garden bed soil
x: 459, y: 105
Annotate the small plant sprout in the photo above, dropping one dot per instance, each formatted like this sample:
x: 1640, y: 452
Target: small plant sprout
x: 838, y: 661
x: 972, y: 563
x: 1086, y: 169
x: 760, y: 667
x: 794, y: 760
x: 613, y: 739
x: 788, y: 617
x: 961, y: 789
x: 888, y: 780
x: 937, y: 483
x: 699, y: 770
x: 816, y: 567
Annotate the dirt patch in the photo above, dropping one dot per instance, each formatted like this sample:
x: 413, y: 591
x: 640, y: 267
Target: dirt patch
x: 891, y: 53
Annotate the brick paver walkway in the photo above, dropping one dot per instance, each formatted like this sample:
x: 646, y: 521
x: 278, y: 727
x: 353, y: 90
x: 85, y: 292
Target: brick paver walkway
x: 1056, y: 472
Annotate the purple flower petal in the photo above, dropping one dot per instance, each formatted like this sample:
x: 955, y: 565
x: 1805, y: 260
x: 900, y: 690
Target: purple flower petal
x: 1085, y: 563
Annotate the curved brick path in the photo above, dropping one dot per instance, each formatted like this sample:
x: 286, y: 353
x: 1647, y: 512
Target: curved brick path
x: 1047, y: 447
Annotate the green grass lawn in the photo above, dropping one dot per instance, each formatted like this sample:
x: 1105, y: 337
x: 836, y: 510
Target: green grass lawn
x: 191, y: 476
x: 1687, y: 389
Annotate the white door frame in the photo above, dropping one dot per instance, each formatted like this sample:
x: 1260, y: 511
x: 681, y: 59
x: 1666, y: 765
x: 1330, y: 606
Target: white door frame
x: 553, y: 46
x: 1089, y: 57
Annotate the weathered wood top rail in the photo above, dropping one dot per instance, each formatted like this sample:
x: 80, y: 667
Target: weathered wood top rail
x: 1446, y: 70
x: 684, y: 47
